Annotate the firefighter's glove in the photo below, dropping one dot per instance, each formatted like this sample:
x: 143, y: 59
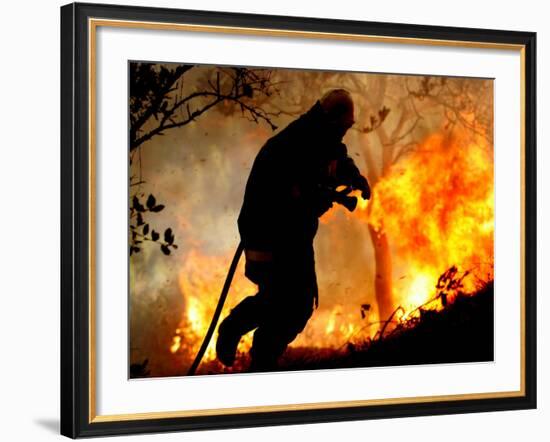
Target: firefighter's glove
x: 361, y: 183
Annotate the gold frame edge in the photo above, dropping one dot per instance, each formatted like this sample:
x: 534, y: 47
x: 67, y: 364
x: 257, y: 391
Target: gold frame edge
x: 93, y: 23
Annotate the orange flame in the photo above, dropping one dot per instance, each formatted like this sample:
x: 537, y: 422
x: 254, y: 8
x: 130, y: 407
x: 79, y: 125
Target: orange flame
x: 200, y: 280
x: 437, y: 207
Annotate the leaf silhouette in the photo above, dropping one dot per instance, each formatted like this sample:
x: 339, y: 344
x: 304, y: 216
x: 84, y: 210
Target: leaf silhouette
x: 137, y: 205
x: 151, y: 201
x: 168, y: 236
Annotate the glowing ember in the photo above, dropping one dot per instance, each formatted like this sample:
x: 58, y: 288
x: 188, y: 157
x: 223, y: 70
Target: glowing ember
x: 176, y: 342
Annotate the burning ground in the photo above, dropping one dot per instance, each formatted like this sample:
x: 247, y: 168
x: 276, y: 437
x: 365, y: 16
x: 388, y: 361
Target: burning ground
x: 383, y: 270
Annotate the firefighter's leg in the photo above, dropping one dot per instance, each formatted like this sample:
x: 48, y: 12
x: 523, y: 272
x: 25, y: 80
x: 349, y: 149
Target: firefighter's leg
x: 289, y: 297
x: 267, y: 347
x: 246, y: 315
x: 242, y: 319
x: 273, y: 335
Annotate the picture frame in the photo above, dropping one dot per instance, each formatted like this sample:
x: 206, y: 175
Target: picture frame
x: 80, y: 205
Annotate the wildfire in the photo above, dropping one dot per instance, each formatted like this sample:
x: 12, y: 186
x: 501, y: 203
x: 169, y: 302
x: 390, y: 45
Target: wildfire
x: 436, y: 207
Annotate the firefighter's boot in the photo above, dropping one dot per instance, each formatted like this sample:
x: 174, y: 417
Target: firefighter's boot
x: 242, y: 319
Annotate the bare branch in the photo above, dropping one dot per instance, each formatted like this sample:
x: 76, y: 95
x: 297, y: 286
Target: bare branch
x: 244, y: 84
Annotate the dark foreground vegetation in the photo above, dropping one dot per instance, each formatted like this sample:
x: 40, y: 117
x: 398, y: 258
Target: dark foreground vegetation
x: 461, y: 332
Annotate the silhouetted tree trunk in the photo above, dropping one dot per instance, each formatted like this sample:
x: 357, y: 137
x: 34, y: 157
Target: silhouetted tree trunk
x: 383, y: 286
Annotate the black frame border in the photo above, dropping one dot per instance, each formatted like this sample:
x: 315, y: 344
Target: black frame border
x: 75, y: 195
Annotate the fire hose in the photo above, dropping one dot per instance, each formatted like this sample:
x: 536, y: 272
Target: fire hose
x: 218, y: 311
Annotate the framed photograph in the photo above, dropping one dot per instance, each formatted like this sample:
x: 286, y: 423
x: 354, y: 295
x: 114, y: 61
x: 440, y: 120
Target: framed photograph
x: 275, y: 220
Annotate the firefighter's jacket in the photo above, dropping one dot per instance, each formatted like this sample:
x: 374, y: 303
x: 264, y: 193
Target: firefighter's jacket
x: 282, y: 200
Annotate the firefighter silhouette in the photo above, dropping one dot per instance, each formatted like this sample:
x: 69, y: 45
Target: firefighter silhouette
x: 284, y: 198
